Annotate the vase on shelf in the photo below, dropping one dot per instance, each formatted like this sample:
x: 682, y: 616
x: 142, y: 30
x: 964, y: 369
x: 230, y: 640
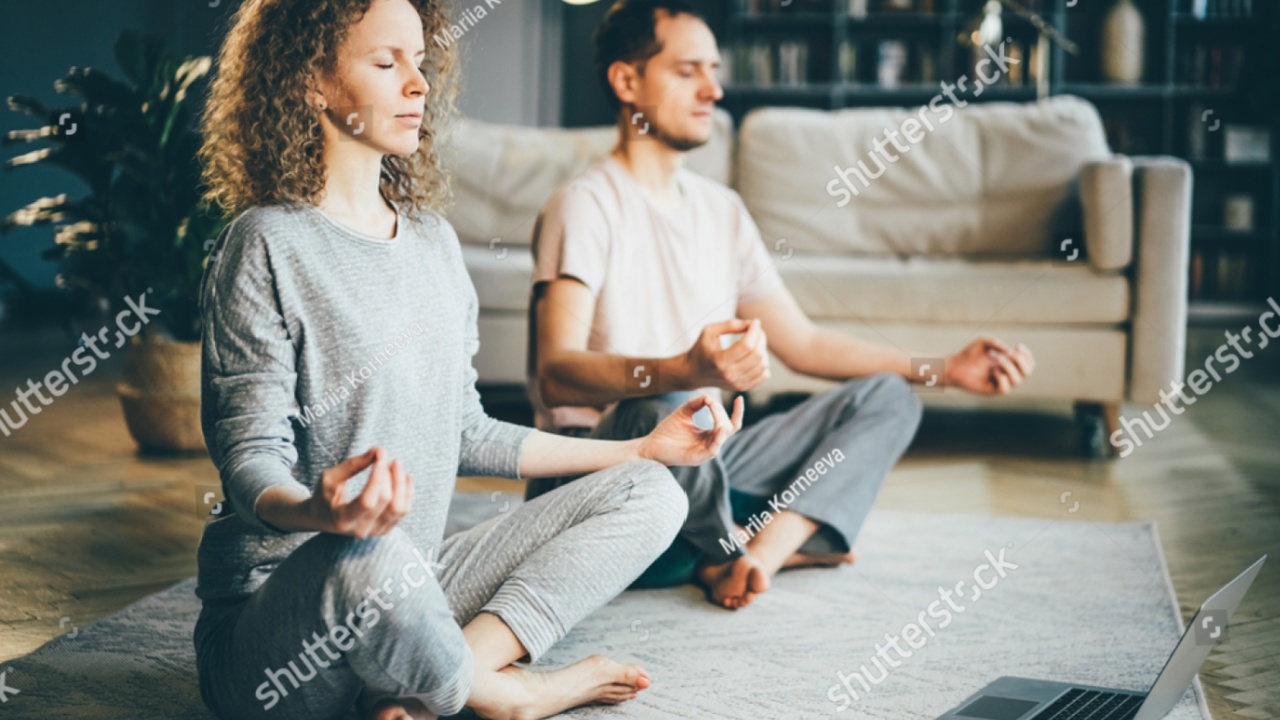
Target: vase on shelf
x: 1123, y: 43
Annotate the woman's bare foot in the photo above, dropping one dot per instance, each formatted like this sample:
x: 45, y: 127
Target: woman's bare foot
x: 801, y: 560
x: 514, y: 693
x: 734, y: 584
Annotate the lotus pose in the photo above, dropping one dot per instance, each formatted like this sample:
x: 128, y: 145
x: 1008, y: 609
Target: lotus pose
x: 339, y: 405
x: 644, y: 272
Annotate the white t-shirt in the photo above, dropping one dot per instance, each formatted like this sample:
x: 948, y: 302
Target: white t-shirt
x: 659, y: 277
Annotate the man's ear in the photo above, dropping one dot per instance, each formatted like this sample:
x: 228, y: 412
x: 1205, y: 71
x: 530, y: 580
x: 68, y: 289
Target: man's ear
x: 625, y: 80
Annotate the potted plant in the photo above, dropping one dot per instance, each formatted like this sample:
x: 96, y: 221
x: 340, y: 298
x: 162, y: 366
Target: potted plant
x: 142, y: 232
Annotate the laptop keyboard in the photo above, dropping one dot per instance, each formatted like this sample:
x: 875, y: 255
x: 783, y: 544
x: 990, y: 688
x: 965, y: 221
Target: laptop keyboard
x: 1079, y: 704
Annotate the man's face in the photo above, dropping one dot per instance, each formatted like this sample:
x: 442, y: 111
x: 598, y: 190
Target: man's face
x: 678, y: 90
x: 377, y: 86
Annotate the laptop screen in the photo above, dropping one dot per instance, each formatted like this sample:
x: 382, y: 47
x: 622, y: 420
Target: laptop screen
x: 1207, y: 628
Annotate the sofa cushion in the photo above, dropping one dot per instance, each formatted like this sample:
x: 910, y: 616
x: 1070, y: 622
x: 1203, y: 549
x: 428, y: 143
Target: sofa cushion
x: 994, y: 179
x: 953, y: 290
x: 1072, y: 363
x: 501, y: 275
x: 502, y: 174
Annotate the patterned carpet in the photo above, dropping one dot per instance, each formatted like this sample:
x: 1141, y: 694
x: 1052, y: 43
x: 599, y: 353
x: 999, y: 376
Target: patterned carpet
x: 1087, y: 602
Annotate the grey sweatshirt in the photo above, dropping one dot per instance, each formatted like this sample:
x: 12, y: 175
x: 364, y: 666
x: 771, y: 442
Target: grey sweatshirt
x: 320, y: 343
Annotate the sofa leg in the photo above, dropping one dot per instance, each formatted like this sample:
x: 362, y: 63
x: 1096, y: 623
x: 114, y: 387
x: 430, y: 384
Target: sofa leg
x: 1097, y: 422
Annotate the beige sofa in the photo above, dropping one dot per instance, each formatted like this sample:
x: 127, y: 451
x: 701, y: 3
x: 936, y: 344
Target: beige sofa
x: 1008, y: 220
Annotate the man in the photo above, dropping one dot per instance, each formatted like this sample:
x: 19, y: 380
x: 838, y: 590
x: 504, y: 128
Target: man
x: 645, y: 271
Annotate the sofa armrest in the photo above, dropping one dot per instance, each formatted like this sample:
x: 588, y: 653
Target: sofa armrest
x: 1162, y: 186
x: 1106, y: 197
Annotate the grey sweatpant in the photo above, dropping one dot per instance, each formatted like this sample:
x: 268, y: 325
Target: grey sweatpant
x: 870, y: 420
x: 340, y: 614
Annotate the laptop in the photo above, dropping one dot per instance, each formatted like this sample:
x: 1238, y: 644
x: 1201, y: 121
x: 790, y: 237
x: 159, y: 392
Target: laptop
x: 1015, y: 698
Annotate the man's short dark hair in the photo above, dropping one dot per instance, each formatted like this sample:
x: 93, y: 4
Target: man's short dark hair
x: 627, y: 34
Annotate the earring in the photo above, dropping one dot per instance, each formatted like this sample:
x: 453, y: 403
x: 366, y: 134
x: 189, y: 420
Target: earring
x: 320, y: 106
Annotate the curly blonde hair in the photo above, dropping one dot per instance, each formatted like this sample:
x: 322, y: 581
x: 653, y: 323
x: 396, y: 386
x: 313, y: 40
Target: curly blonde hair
x: 263, y: 142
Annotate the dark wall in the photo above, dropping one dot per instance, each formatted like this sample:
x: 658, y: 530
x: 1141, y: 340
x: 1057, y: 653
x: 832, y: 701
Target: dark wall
x: 511, y: 74
x: 39, y: 42
x: 584, y: 99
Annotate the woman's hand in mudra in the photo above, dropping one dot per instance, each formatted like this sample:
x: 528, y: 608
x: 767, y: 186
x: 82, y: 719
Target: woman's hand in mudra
x: 384, y: 501
x: 679, y: 441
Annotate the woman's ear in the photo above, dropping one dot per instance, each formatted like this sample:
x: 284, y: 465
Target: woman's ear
x: 315, y: 95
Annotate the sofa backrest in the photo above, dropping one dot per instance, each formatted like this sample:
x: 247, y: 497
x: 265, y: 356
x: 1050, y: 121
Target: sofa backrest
x: 503, y: 174
x: 994, y: 179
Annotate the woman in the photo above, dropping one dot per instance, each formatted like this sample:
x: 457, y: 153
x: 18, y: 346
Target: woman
x: 339, y: 325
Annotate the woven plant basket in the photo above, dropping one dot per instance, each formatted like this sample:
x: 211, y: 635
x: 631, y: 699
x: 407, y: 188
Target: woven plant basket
x: 160, y: 393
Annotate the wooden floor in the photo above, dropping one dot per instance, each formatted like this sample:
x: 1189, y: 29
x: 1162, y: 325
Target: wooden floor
x: 88, y: 526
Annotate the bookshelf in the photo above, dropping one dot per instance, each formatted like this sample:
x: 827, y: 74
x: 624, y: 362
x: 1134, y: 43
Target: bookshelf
x: 1206, y: 93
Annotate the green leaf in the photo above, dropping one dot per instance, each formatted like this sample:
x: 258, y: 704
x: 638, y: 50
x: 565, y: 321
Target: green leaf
x: 28, y: 105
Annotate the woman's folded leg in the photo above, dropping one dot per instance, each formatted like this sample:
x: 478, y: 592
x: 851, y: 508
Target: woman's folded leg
x: 339, y: 614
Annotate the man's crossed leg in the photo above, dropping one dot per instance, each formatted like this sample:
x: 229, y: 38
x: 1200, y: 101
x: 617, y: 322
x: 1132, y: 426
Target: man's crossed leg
x: 791, y: 490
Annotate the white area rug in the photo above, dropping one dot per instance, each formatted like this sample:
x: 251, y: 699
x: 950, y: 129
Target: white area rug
x: 1088, y: 602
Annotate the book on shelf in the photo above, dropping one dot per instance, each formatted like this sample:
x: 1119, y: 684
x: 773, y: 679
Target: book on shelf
x: 1195, y: 279
x: 1219, y: 276
x: 778, y: 7
x: 1233, y: 275
x: 1215, y: 66
x: 1221, y: 8
x: 765, y: 64
x: 861, y: 9
x: 892, y: 66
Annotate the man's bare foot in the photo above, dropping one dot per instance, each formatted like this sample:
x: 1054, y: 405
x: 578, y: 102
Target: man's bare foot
x: 801, y: 560
x: 514, y: 693
x: 734, y: 584
x: 389, y: 708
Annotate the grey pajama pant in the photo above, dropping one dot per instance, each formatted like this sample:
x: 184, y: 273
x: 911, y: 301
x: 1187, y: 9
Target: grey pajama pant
x: 870, y: 420
x: 542, y: 567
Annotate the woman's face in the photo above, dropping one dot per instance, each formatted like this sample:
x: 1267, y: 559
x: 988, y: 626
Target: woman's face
x: 377, y: 92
